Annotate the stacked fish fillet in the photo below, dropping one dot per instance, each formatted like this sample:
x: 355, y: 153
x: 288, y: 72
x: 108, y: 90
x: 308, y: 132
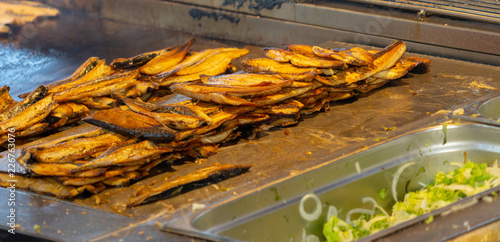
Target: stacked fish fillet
x: 112, y: 124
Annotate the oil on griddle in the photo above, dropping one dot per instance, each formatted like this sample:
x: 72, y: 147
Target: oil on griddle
x: 108, y: 125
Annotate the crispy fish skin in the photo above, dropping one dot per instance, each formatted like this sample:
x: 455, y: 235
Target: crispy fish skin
x: 173, y: 120
x: 129, y: 123
x: 167, y: 59
x: 101, y: 70
x: 211, y: 61
x: 86, y: 67
x: 97, y: 102
x: 29, y: 131
x: 225, y: 114
x: 196, y: 92
x: 401, y: 68
x: 216, y: 69
x: 204, y: 176
x: 138, y: 60
x: 84, y: 130
x: 287, y: 107
x: 47, y: 169
x: 43, y: 185
x: 130, y: 153
x: 283, y: 95
x: 306, y: 50
x: 239, y: 91
x: 30, y: 116
x: 246, y: 80
x: 99, y: 87
x: 189, y: 60
x: 76, y: 149
x: 189, y: 110
x: 384, y: 60
x: 36, y: 95
x: 5, y: 99
x: 300, y: 60
x: 345, y: 56
x: 264, y: 65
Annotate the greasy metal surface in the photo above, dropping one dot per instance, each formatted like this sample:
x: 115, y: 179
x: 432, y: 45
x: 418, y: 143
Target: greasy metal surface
x: 350, y: 126
x: 272, y: 214
x: 309, y: 23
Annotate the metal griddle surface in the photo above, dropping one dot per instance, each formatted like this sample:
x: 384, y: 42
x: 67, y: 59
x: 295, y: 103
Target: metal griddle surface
x: 58, y: 46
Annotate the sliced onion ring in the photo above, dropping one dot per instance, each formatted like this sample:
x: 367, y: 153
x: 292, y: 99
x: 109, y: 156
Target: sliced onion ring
x: 317, y: 211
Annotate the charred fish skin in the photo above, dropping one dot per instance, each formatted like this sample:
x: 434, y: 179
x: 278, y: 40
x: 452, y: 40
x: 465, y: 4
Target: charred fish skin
x: 36, y: 95
x: 85, y: 68
x: 132, y: 124
x: 99, y: 71
x: 201, y: 177
x: 132, y: 62
x: 29, y: 116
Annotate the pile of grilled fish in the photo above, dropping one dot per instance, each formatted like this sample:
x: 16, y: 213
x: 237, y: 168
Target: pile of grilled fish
x: 109, y: 125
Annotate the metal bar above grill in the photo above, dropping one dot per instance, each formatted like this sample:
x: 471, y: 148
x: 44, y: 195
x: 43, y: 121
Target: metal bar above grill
x: 480, y: 10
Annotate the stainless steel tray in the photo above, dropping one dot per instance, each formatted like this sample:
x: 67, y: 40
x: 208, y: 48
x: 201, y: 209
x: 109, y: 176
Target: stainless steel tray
x: 272, y: 213
x: 484, y: 111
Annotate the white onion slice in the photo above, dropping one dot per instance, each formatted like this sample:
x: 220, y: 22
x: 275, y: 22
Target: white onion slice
x: 332, y: 211
x: 357, y: 210
x: 396, y: 179
x: 317, y: 210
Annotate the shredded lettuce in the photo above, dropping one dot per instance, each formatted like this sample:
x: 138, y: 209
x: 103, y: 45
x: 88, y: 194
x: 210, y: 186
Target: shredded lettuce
x: 445, y: 189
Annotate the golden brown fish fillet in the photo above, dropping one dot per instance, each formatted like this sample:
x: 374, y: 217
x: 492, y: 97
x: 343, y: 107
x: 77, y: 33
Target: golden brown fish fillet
x: 224, y: 55
x: 30, y: 116
x: 239, y: 91
x: 204, y: 176
x: 401, y: 68
x: 215, y: 69
x: 97, y: 102
x: 175, y: 108
x: 42, y: 185
x: 384, y: 60
x: 99, y: 87
x: 287, y: 107
x: 246, y: 80
x: 33, y: 97
x: 300, y: 60
x: 286, y: 93
x: 5, y: 99
x: 356, y: 57
x: 134, y: 125
x: 100, y: 70
x: 201, y: 93
x: 225, y: 114
x: 173, y: 120
x: 75, y: 149
x: 167, y: 59
x: 306, y: 50
x: 124, y: 155
x: 264, y: 65
x: 48, y: 169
